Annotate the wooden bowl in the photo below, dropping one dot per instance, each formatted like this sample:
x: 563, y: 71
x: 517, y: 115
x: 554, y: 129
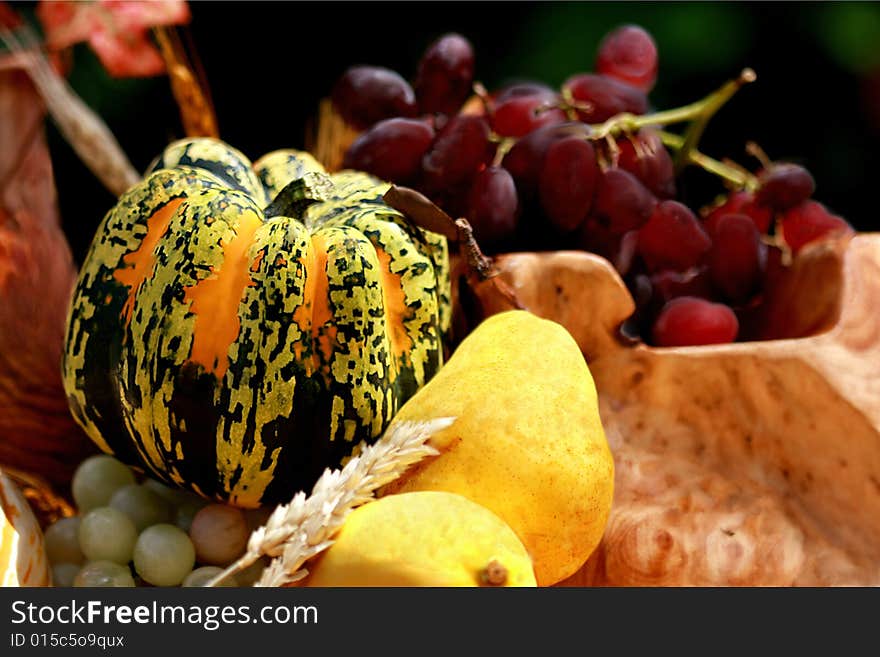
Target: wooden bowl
x: 755, y: 463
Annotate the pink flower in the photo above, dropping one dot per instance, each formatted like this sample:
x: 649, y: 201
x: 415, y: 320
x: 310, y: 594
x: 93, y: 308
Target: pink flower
x: 117, y: 30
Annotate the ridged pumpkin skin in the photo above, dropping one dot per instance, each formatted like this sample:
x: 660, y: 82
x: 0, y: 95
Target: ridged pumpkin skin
x: 239, y: 354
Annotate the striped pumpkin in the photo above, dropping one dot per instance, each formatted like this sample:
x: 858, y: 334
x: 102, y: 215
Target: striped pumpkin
x: 237, y: 328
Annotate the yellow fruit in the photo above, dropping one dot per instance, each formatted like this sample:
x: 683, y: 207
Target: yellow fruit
x: 23, y: 560
x: 527, y: 443
x: 423, y: 539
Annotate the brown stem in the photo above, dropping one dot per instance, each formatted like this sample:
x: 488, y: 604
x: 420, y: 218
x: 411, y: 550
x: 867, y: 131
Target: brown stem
x: 424, y: 214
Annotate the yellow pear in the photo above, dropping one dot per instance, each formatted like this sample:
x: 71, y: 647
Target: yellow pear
x: 527, y: 442
x: 423, y: 539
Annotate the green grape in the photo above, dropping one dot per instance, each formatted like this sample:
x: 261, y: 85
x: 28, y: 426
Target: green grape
x: 203, y: 575
x: 165, y: 492
x: 63, y: 574
x: 187, y: 510
x: 143, y: 506
x: 174, y: 496
x: 103, y: 573
x: 96, y: 479
x: 164, y: 555
x: 107, y: 534
x: 220, y: 534
x: 62, y: 542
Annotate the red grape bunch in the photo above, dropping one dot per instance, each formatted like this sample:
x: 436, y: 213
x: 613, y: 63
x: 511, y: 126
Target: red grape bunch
x: 587, y: 167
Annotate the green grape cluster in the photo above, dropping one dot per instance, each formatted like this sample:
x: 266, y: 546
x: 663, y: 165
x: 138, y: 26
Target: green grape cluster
x: 136, y: 531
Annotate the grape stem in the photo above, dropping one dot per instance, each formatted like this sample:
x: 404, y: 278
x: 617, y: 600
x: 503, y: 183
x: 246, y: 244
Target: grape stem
x: 699, y: 113
x: 740, y: 178
x: 711, y: 104
x: 504, y: 146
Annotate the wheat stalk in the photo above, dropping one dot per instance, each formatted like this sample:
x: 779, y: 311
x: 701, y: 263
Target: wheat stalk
x: 330, y: 137
x: 304, y: 527
x: 83, y: 129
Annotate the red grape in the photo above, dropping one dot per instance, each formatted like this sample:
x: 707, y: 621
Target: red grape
x: 493, y: 205
x: 525, y: 158
x: 567, y: 182
x: 688, y: 321
x: 630, y: 55
x: 774, y: 270
x: 445, y: 75
x: 784, y: 185
x: 623, y: 201
x: 672, y: 238
x: 619, y: 250
x: 519, y: 115
x: 365, y: 95
x: 809, y: 221
x: 645, y: 156
x: 639, y: 323
x: 606, y: 97
x: 737, y: 257
x: 694, y: 282
x: 595, y: 237
x: 391, y: 150
x: 462, y: 147
x: 740, y: 202
x: 524, y: 89
x: 626, y: 252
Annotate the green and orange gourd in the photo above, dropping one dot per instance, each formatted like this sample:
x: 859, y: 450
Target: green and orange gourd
x: 237, y: 328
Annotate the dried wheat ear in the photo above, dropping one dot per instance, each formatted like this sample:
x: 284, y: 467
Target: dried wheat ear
x: 304, y: 527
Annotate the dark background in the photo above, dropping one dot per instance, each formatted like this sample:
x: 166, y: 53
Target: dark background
x: 816, y: 100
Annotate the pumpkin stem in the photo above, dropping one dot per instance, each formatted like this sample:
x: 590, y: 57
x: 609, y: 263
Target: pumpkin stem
x: 293, y: 200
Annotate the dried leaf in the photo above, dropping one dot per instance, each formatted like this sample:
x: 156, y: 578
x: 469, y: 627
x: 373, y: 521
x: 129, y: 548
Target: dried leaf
x: 83, y: 129
x: 37, y: 274
x: 421, y: 211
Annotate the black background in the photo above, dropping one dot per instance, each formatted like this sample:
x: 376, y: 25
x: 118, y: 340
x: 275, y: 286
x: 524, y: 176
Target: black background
x: 269, y: 63
x: 547, y: 621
